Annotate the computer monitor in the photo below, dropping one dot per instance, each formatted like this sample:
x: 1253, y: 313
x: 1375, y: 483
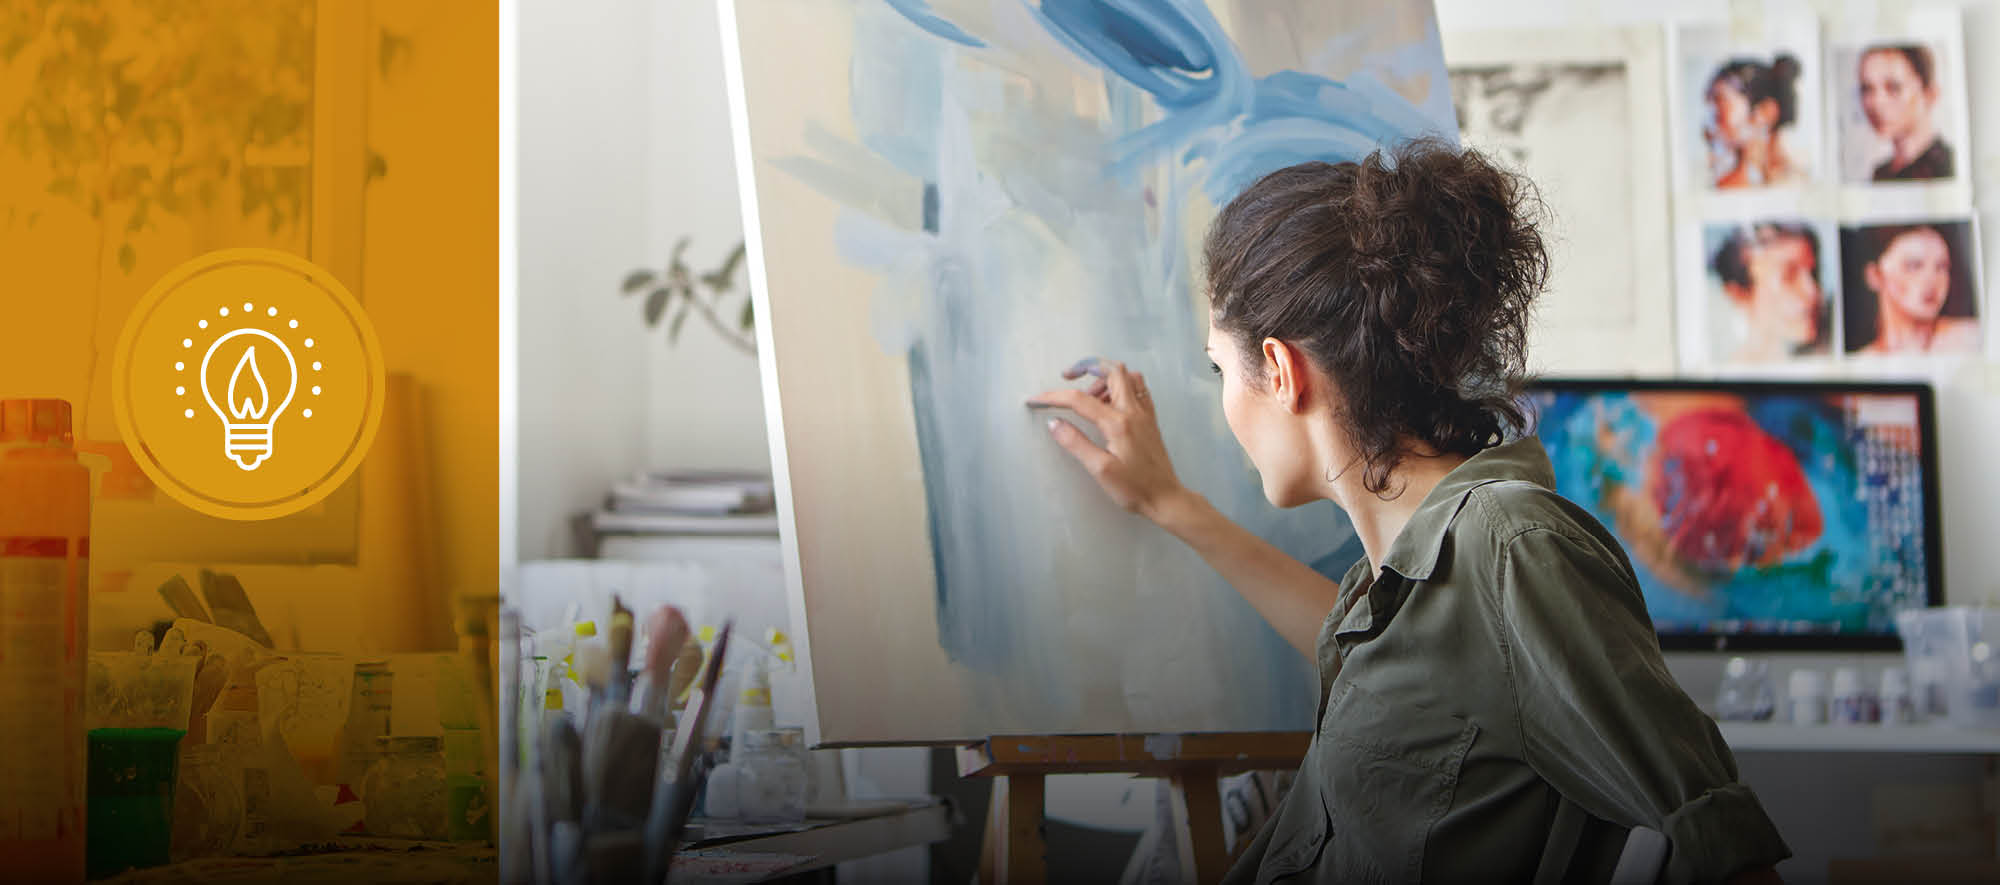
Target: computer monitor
x: 1758, y: 515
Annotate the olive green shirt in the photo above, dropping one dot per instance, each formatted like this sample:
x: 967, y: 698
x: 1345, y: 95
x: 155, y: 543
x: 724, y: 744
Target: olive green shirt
x: 1501, y: 661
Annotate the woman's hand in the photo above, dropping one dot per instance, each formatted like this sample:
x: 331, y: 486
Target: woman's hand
x: 1132, y: 466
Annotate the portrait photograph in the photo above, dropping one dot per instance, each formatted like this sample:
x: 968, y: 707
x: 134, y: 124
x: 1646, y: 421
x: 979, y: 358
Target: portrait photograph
x: 1749, y: 114
x: 1770, y: 290
x: 1897, y: 102
x: 1911, y: 289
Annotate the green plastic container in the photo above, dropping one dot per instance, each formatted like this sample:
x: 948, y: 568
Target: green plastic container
x: 130, y: 817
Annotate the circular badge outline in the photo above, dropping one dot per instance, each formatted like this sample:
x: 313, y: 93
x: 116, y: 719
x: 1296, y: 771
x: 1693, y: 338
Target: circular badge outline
x: 128, y: 424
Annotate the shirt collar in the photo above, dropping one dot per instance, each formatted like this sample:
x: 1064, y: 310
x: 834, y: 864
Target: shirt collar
x: 1414, y: 553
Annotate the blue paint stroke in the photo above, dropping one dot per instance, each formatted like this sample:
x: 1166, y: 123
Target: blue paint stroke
x: 1176, y: 51
x: 1244, y: 127
x: 919, y: 13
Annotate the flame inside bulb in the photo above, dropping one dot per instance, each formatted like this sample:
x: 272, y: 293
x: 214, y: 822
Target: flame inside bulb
x: 251, y: 408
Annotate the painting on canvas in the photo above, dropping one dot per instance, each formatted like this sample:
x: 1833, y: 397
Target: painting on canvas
x: 947, y: 203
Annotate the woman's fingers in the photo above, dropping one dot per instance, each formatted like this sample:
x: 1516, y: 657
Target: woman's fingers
x: 1094, y: 459
x: 1090, y: 408
x: 1120, y: 382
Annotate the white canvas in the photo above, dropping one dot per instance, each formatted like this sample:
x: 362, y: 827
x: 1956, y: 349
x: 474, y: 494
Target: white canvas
x: 946, y: 204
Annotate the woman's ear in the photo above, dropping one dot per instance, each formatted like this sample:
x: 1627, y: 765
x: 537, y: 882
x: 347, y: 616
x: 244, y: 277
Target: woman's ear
x: 1285, y: 373
x: 1871, y: 273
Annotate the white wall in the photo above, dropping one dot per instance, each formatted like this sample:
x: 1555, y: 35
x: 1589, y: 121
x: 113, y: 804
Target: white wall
x: 706, y: 407
x: 584, y: 94
x: 623, y: 148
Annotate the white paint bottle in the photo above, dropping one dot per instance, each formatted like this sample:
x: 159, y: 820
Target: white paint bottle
x: 1807, y: 697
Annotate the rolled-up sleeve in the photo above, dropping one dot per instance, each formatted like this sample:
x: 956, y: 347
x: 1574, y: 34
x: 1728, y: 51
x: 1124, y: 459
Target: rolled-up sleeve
x: 1602, y: 720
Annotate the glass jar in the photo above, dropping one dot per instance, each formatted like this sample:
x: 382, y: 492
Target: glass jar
x: 208, y: 804
x: 404, y: 791
x: 1747, y: 694
x: 771, y: 776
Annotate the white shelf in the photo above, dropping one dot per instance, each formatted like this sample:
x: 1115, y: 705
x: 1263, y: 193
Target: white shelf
x: 1760, y: 736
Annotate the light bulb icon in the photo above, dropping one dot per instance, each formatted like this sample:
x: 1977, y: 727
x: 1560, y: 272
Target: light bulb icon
x: 246, y: 411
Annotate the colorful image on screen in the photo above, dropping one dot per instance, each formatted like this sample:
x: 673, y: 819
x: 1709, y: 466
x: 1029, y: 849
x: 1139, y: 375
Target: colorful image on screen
x: 1760, y: 511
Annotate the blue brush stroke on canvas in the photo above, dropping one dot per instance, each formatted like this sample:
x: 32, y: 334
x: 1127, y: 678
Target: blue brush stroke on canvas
x: 919, y: 13
x: 1183, y: 118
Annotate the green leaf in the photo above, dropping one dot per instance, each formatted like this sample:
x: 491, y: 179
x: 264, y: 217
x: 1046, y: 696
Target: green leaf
x: 747, y: 320
x: 678, y: 249
x: 730, y: 264
x: 126, y: 257
x: 720, y: 279
x: 674, y: 330
x: 656, y: 304
x: 637, y: 280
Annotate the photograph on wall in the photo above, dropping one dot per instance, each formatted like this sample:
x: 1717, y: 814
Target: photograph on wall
x: 1771, y: 287
x: 1897, y: 110
x: 1748, y: 113
x: 1578, y: 112
x: 1775, y: 509
x: 1911, y: 289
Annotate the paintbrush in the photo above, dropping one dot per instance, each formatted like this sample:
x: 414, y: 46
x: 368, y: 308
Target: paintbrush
x: 673, y: 800
x: 618, y: 681
x: 666, y: 635
x: 621, y: 751
x: 562, y: 794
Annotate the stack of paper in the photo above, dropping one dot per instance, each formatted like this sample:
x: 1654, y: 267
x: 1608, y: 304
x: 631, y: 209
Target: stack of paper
x: 690, y: 503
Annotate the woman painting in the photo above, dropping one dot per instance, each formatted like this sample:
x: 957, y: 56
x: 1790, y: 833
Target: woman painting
x: 1750, y: 108
x: 1490, y: 683
x: 1899, y: 96
x: 1908, y: 279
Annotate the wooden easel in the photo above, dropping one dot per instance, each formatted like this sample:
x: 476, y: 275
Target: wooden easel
x: 1015, y: 851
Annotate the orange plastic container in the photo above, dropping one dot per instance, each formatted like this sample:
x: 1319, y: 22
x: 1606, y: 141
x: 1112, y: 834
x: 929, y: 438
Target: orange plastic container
x: 44, y: 564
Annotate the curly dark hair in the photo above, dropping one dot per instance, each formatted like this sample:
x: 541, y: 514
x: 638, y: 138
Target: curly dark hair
x: 1408, y: 277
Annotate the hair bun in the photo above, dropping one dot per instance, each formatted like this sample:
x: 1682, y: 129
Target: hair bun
x: 1785, y: 67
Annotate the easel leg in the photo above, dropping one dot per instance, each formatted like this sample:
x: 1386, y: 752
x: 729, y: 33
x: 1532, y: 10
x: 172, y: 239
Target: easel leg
x: 1197, y: 807
x: 1014, y: 850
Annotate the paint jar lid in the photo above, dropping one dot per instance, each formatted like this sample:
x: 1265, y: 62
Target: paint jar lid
x: 42, y: 422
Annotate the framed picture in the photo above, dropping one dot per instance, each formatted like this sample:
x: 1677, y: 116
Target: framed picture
x: 1578, y: 112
